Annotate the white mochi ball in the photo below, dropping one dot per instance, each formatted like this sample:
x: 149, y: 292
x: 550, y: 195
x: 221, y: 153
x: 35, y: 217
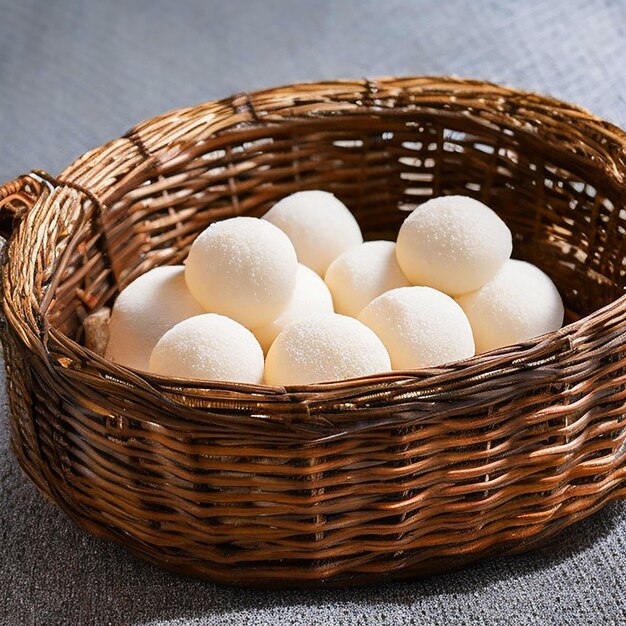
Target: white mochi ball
x: 519, y: 303
x: 324, y: 348
x: 319, y: 226
x: 453, y: 243
x: 420, y: 327
x: 209, y: 347
x: 310, y: 297
x: 144, y: 311
x: 363, y: 273
x: 244, y: 268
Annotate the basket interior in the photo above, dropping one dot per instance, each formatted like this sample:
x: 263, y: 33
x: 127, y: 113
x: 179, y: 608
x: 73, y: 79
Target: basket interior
x: 565, y: 213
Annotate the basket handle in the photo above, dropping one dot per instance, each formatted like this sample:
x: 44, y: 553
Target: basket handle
x: 17, y: 197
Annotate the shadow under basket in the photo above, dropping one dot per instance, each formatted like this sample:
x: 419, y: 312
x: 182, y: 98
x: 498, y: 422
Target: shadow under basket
x: 385, y: 477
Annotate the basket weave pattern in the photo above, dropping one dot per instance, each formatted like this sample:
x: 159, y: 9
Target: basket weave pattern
x: 382, y: 477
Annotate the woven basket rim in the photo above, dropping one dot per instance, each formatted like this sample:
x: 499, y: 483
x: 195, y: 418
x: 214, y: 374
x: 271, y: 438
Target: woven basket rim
x: 317, y: 90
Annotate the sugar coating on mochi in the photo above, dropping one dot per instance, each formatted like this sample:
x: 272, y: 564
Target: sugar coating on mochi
x: 144, y: 311
x: 209, y: 347
x: 324, y: 348
x: 519, y: 303
x: 363, y: 273
x: 420, y: 327
x: 244, y: 268
x: 319, y: 225
x: 310, y: 297
x: 453, y: 243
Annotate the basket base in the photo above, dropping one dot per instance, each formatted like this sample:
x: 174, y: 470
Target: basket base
x: 423, y: 569
x: 272, y: 578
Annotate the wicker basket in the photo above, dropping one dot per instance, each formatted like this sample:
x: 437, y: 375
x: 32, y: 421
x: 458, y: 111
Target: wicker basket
x: 382, y: 477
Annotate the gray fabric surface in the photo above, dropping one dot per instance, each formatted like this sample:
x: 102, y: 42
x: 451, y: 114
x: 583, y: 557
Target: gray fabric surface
x: 75, y: 74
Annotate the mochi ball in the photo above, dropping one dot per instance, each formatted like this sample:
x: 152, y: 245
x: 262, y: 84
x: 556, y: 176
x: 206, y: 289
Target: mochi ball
x: 244, y: 268
x: 363, y: 273
x: 519, y: 303
x: 319, y: 226
x: 420, y: 327
x: 310, y: 297
x: 453, y: 243
x: 209, y: 347
x: 324, y: 348
x: 144, y: 311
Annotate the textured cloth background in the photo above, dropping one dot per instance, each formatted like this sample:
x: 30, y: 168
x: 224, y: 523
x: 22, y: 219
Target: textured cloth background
x: 75, y: 74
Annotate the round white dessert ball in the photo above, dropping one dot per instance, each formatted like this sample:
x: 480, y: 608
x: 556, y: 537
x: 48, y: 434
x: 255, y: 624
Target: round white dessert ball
x: 209, y: 347
x: 310, y: 297
x: 244, y: 268
x: 453, y: 243
x: 363, y: 273
x: 144, y: 311
x: 420, y: 327
x: 519, y: 303
x: 319, y: 225
x: 324, y: 348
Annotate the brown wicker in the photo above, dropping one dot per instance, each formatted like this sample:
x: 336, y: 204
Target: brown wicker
x: 383, y: 477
